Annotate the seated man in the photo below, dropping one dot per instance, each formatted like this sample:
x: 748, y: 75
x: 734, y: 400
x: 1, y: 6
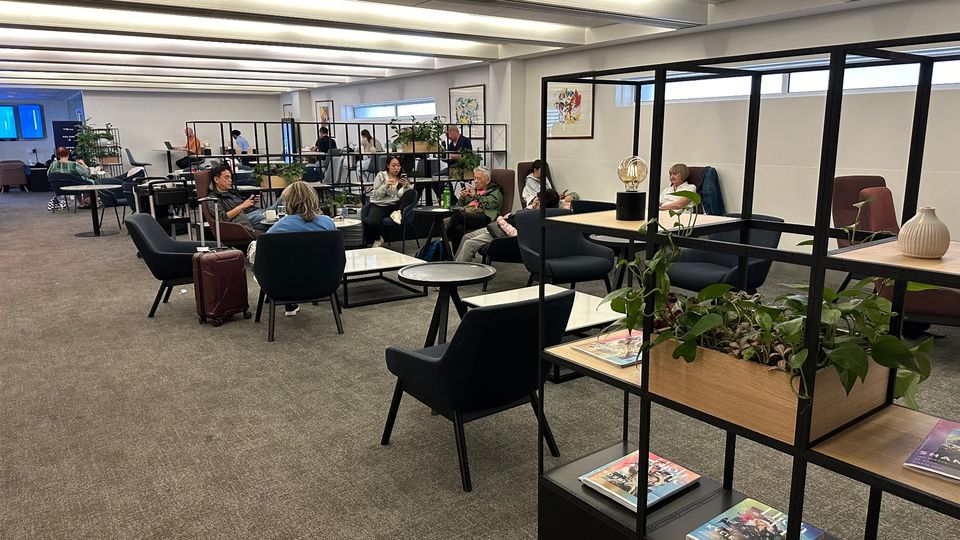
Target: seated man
x: 481, y: 204
x: 231, y: 206
x: 325, y: 142
x: 313, y: 172
x: 193, y: 150
x: 474, y: 241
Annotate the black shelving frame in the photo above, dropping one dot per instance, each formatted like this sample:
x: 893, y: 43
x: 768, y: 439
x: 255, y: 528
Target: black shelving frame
x: 923, y: 51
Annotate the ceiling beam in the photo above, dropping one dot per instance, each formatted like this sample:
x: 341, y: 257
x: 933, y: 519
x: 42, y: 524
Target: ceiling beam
x: 672, y: 14
x: 125, y: 69
x: 140, y: 86
x: 71, y: 78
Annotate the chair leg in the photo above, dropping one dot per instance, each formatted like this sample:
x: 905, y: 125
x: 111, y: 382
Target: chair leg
x: 606, y: 281
x: 156, y: 301
x: 260, y: 305
x: 462, y: 451
x: 336, y: 312
x: 272, y: 319
x: 166, y: 297
x: 102, y: 210
x: 120, y: 225
x: 392, y: 413
x: 547, y: 434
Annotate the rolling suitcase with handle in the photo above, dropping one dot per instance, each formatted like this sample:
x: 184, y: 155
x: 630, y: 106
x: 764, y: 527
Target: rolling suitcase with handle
x: 219, y: 281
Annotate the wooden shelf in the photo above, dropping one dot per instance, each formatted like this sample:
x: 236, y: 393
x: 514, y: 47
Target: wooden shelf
x: 607, y: 220
x: 625, y: 378
x: 887, y: 253
x: 569, y: 509
x: 880, y: 444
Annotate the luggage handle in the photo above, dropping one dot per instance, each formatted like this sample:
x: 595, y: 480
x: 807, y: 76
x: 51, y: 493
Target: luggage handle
x: 216, y: 217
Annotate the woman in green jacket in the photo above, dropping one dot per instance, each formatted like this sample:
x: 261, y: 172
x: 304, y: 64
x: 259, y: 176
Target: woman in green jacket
x: 481, y: 204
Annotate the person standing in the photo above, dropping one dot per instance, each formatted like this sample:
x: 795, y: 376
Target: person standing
x: 241, y: 146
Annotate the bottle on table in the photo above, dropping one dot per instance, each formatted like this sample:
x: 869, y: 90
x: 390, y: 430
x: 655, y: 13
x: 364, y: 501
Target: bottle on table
x: 445, y: 198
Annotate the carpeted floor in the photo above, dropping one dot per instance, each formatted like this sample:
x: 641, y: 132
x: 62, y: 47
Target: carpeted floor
x: 113, y: 425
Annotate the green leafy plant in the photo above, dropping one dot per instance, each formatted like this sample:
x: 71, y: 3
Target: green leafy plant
x: 853, y: 325
x: 89, y: 143
x: 342, y: 198
x: 469, y: 160
x: 429, y: 131
x: 290, y: 172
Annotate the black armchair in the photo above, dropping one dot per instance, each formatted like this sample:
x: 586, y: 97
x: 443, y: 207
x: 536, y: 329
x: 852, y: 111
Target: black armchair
x: 696, y: 268
x: 571, y: 258
x: 467, y: 379
x: 169, y: 260
x: 299, y: 267
x: 61, y: 180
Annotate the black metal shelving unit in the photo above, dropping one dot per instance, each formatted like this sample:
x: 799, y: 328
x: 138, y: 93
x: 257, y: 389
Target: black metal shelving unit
x: 889, y: 430
x: 113, y: 163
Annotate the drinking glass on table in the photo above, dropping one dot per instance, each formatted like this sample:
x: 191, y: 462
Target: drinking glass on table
x: 281, y: 211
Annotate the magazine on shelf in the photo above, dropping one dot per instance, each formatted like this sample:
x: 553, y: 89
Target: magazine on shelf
x: 619, y: 348
x: 618, y: 479
x: 752, y: 519
x: 940, y: 452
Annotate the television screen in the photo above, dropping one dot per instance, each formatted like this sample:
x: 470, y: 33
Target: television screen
x: 8, y: 125
x: 31, y: 121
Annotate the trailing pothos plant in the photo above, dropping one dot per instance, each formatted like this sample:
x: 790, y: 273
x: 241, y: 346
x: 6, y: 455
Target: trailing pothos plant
x: 853, y: 323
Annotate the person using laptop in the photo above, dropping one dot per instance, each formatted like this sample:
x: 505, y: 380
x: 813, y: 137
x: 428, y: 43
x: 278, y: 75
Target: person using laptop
x: 192, y: 148
x: 325, y: 143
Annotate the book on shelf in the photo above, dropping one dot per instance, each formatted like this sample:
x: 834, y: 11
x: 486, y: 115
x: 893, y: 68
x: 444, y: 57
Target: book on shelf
x: 752, y: 519
x: 619, y: 348
x: 940, y: 452
x: 618, y: 479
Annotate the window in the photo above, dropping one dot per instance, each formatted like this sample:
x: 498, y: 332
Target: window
x: 420, y: 107
x: 702, y: 89
x: 902, y: 75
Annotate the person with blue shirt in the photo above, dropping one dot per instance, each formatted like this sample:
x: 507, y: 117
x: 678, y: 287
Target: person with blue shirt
x: 241, y: 146
x: 303, y: 207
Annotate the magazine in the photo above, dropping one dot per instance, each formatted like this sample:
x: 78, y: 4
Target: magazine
x: 751, y: 519
x: 618, y: 479
x: 940, y: 452
x: 619, y: 348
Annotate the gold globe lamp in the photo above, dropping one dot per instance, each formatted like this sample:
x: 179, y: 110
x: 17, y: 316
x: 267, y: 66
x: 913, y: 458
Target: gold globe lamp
x: 631, y: 204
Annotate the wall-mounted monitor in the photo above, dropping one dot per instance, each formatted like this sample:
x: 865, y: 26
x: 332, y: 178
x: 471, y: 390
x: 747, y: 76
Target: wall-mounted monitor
x: 8, y: 123
x: 31, y: 121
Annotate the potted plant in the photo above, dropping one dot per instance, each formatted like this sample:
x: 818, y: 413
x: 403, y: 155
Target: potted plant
x: 342, y: 199
x: 422, y: 137
x: 89, y: 146
x: 280, y: 175
x: 741, y: 355
x: 463, y: 168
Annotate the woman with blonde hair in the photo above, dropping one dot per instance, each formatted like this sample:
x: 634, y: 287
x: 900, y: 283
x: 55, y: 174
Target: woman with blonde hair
x: 678, y: 182
x: 303, y: 211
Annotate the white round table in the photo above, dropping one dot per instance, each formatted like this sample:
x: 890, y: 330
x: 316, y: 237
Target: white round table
x: 92, y: 189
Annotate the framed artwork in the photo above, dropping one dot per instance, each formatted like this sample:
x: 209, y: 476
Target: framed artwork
x: 569, y: 110
x: 288, y: 110
x: 324, y: 111
x: 468, y: 106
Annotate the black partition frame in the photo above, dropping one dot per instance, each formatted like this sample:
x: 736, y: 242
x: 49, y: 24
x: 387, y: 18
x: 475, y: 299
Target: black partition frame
x: 839, y: 57
x: 493, y: 154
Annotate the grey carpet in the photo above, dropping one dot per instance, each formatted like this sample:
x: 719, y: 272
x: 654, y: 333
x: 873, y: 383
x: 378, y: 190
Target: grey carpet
x: 113, y: 425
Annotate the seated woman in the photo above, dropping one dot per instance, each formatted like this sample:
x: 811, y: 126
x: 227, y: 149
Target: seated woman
x: 388, y: 187
x: 368, y: 147
x: 303, y: 215
x: 678, y: 182
x: 531, y: 184
x: 481, y: 204
x: 79, y: 169
x: 474, y: 241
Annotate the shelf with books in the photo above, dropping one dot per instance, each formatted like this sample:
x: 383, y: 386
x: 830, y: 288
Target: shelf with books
x: 570, y: 509
x: 876, y: 449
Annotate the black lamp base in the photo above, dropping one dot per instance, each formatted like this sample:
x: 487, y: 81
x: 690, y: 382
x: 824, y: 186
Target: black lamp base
x: 631, y: 205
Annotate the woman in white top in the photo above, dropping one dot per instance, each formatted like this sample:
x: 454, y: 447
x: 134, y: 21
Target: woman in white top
x: 388, y: 186
x: 531, y: 185
x: 678, y: 182
x: 368, y: 146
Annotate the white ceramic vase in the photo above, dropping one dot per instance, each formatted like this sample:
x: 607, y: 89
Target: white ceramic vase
x: 924, y: 236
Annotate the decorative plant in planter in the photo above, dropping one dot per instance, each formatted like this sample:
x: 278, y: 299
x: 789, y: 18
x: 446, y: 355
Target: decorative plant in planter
x: 280, y: 175
x: 419, y: 136
x: 89, y: 147
x: 853, y: 323
x: 463, y: 168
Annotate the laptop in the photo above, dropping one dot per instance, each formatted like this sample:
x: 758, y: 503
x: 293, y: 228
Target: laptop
x: 169, y: 146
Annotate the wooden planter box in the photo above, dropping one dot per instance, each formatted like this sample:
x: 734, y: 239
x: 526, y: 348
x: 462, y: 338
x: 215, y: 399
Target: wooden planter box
x: 758, y: 398
x: 467, y: 175
x: 420, y: 147
x: 272, y: 181
x: 110, y: 160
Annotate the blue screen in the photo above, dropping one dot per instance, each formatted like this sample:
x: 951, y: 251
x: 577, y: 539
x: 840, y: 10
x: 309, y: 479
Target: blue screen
x: 31, y: 121
x: 8, y: 126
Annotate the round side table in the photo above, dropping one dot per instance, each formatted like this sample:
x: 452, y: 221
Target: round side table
x: 447, y: 276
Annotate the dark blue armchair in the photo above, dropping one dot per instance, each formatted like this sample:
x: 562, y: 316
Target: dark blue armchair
x: 571, y: 258
x: 169, y: 260
x: 467, y: 378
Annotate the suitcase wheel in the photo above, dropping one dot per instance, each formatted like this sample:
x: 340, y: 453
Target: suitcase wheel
x: 203, y: 320
x: 217, y: 322
x: 247, y: 314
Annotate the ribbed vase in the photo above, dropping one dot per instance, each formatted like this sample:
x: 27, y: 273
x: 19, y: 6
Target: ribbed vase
x: 924, y: 236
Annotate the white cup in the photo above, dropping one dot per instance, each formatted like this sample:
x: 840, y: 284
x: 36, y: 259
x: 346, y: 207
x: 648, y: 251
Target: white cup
x: 270, y: 215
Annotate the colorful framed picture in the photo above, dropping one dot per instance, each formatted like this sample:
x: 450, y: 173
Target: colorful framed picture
x: 324, y: 111
x: 468, y: 106
x: 569, y: 110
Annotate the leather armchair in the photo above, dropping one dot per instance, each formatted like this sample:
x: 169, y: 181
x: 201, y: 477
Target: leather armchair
x: 12, y: 174
x: 231, y: 234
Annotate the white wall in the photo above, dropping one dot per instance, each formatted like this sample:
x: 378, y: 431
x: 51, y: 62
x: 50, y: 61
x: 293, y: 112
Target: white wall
x: 146, y: 119
x: 22, y: 150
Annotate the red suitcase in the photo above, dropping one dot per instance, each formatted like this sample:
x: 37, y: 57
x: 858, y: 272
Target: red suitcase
x: 220, y: 285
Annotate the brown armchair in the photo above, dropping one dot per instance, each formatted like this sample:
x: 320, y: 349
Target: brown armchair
x: 507, y: 180
x: 231, y: 234
x: 939, y: 306
x: 11, y: 174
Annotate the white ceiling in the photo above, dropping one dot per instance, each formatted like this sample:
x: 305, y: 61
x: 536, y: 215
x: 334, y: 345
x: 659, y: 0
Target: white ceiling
x: 272, y: 46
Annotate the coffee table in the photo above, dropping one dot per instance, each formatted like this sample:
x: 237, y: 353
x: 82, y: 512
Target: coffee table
x: 447, y: 276
x: 92, y: 189
x: 368, y: 264
x: 588, y: 311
